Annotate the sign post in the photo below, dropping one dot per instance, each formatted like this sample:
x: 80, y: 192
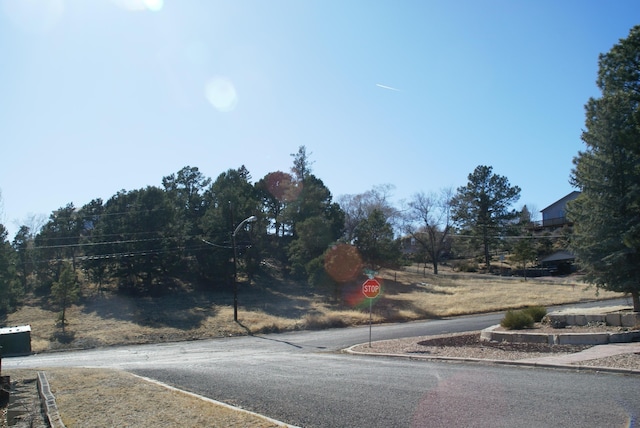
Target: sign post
x: 371, y: 290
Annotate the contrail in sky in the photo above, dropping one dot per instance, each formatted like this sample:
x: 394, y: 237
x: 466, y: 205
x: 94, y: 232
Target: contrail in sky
x: 388, y: 87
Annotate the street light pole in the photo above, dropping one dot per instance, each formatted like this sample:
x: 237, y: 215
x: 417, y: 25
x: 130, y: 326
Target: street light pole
x: 235, y: 264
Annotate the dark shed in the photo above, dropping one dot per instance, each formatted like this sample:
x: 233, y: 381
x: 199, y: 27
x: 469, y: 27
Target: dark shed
x: 15, y: 340
x: 559, y: 262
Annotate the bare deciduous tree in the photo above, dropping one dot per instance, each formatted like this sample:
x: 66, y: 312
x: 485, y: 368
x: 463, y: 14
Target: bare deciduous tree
x: 357, y: 208
x: 429, y: 223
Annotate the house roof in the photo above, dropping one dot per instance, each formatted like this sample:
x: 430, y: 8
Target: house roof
x: 558, y: 256
x: 571, y: 196
x: 17, y: 329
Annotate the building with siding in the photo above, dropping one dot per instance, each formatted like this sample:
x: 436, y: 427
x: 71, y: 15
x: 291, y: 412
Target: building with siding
x: 555, y: 215
x: 554, y: 220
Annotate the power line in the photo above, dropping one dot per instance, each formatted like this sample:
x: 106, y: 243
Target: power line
x: 216, y: 245
x: 91, y: 244
x: 121, y: 241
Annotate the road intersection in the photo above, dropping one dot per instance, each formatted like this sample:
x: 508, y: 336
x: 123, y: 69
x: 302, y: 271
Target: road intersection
x: 303, y: 379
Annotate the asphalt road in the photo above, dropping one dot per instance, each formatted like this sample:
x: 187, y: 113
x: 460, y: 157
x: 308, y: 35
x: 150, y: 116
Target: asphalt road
x: 325, y: 390
x: 301, y: 378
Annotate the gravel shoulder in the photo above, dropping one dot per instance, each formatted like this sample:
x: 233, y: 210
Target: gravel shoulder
x: 468, y: 346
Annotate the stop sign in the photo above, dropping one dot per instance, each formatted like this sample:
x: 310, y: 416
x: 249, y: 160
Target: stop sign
x: 371, y: 288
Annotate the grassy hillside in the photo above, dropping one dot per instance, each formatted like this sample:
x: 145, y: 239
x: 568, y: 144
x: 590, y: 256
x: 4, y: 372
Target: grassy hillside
x: 280, y: 305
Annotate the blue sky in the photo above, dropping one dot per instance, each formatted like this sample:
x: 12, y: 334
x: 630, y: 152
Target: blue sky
x: 103, y: 95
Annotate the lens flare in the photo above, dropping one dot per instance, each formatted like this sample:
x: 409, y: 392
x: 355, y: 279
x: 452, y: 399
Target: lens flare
x: 435, y: 408
x: 221, y: 94
x: 154, y: 5
x: 343, y: 262
x: 278, y: 184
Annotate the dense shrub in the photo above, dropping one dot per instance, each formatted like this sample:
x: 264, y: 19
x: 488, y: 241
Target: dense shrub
x: 536, y: 312
x: 517, y: 320
x: 469, y: 266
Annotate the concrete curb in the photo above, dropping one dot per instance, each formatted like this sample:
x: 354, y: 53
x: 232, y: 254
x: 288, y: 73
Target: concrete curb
x: 219, y: 403
x: 520, y: 363
x: 50, y: 408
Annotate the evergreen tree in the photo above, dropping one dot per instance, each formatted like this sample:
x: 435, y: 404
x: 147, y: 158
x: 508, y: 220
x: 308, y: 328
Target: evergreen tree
x: 9, y: 285
x: 136, y: 239
x: 316, y: 221
x: 93, y: 264
x: 56, y: 243
x: 23, y: 246
x: 606, y: 215
x: 65, y: 292
x: 481, y: 208
x: 524, y: 252
x: 185, y: 191
x: 314, y: 237
x: 375, y: 241
x: 230, y: 199
x: 301, y: 164
x: 275, y: 191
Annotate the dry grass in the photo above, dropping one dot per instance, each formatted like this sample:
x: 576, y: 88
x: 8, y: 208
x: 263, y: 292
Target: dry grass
x: 109, y: 398
x: 284, y: 306
x: 409, y: 295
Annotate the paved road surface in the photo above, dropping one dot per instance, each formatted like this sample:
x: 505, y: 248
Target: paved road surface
x: 327, y: 390
x: 300, y: 378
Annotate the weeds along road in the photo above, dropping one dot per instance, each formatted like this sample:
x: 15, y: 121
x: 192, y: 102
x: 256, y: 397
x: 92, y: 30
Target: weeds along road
x: 300, y: 379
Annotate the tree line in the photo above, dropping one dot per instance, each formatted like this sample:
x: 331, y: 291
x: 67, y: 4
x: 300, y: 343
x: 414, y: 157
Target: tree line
x: 145, y: 240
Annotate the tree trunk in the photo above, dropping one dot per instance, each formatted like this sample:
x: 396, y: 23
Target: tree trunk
x: 635, y: 296
x: 487, y: 256
x: 64, y: 310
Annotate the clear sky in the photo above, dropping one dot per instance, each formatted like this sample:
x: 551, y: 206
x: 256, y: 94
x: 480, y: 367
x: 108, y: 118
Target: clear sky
x: 102, y: 95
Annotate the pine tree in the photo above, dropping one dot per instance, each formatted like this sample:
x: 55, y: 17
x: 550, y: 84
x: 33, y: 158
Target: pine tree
x: 606, y: 215
x: 375, y: 240
x: 65, y: 291
x: 481, y: 208
x: 9, y: 289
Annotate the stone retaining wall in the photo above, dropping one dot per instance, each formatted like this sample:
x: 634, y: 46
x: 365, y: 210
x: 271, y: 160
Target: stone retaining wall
x: 618, y: 319
x: 511, y: 336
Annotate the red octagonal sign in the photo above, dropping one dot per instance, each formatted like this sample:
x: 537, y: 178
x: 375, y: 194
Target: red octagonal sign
x: 371, y: 288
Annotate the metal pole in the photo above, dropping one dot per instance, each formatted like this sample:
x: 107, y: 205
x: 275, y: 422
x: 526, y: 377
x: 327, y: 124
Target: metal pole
x: 235, y: 277
x: 235, y: 259
x: 370, y: 303
x: 235, y: 264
